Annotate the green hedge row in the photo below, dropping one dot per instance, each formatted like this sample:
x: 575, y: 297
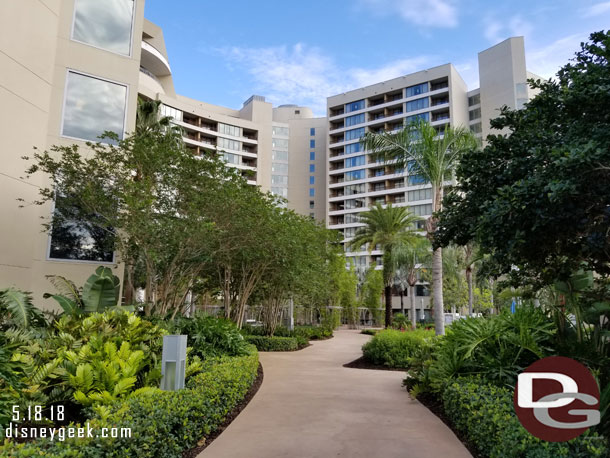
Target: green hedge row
x: 266, y: 343
x: 484, y: 413
x: 162, y: 425
x: 394, y: 348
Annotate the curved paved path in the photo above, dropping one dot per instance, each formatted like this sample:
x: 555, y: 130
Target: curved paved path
x: 309, y: 406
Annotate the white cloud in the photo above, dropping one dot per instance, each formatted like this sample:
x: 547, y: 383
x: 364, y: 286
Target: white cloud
x: 306, y: 76
x: 595, y: 10
x: 428, y: 13
x: 546, y: 60
x: 496, y: 31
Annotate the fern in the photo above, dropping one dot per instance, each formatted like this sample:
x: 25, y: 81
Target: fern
x: 18, y: 309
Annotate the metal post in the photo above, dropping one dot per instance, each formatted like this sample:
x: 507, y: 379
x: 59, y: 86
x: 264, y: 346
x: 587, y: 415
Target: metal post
x: 291, y: 313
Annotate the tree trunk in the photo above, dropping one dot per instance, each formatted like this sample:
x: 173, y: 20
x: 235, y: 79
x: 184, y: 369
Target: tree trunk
x: 470, y: 293
x: 388, y: 306
x: 402, y: 305
x: 413, y: 310
x: 437, y: 291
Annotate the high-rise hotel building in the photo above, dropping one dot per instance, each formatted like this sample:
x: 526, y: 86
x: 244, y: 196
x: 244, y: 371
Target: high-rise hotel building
x: 356, y: 181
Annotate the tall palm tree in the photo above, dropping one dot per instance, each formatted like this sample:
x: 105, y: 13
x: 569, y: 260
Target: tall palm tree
x: 408, y: 259
x: 424, y: 151
x: 389, y: 227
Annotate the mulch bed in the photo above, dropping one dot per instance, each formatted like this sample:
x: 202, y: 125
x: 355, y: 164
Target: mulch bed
x: 192, y: 453
x: 435, y: 405
x: 363, y: 363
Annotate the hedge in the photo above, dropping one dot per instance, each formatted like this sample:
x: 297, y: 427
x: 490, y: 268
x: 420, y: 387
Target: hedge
x: 484, y: 413
x: 266, y: 343
x: 162, y: 425
x: 394, y: 348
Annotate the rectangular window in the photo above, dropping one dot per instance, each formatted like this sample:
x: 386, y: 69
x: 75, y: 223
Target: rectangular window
x: 312, y: 131
x: 171, y: 112
x: 352, y: 218
x: 476, y: 128
x: 280, y: 143
x: 225, y: 143
x: 279, y: 155
x: 283, y: 192
x: 280, y: 131
x: 354, y: 203
x: 353, y: 120
x: 418, y: 104
x: 106, y: 25
x: 227, y: 129
x: 354, y: 134
x: 421, y: 210
x: 93, y: 106
x: 354, y: 161
x: 414, y: 180
x: 354, y: 175
x: 279, y: 179
x: 354, y: 189
x: 312, y: 143
x: 311, y: 204
x: 352, y: 148
x: 474, y: 100
x: 418, y: 89
x: 312, y: 155
x: 354, y: 106
x: 312, y: 180
x: 419, y: 194
x: 312, y: 168
x: 279, y: 168
x: 474, y: 114
x: 312, y: 192
x: 74, y: 237
x: 231, y: 158
x: 417, y: 117
x: 349, y: 232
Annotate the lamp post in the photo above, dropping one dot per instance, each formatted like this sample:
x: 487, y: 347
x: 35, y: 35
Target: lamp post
x: 173, y: 362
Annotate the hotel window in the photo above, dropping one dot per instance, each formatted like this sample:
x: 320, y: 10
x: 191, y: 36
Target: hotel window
x: 279, y: 143
x: 229, y: 144
x: 312, y: 180
x: 474, y: 114
x: 279, y: 155
x: 171, y: 112
x: 283, y: 192
x: 349, y: 232
x: 312, y: 131
x: 418, y: 104
x: 353, y: 120
x: 227, y: 129
x: 279, y: 168
x: 354, y: 189
x: 107, y: 25
x: 354, y: 106
x: 476, y: 128
x: 312, y: 168
x: 312, y: 155
x: 312, y: 192
x: 312, y: 215
x: 354, y: 134
x: 417, y: 117
x: 93, y: 106
x: 354, y: 161
x: 418, y: 89
x: 354, y: 203
x: 421, y: 210
x: 351, y: 218
x: 474, y: 100
x: 312, y: 204
x: 231, y: 158
x: 281, y: 131
x: 419, y: 194
x: 414, y: 180
x: 312, y: 143
x: 74, y: 236
x: 279, y: 179
x: 355, y: 175
x: 352, y: 148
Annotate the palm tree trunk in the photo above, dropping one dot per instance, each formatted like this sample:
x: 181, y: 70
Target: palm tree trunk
x: 437, y: 291
x: 413, y: 310
x: 470, y: 294
x: 388, y: 306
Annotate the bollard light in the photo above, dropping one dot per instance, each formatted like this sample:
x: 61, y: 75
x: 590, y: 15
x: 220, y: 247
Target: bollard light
x: 173, y: 363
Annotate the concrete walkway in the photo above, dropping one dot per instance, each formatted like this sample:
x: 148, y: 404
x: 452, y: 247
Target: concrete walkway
x: 309, y: 406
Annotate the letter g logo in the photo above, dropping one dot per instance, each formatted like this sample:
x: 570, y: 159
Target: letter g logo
x: 557, y: 399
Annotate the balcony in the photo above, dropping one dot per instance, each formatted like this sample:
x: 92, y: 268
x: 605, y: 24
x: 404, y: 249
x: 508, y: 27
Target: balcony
x: 154, y: 61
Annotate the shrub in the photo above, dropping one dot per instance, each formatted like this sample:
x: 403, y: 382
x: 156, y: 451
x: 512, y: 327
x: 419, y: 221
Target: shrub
x: 394, y: 348
x: 400, y: 321
x: 164, y: 424
x: 308, y: 332
x: 266, y: 343
x: 210, y: 336
x: 484, y: 413
x: 369, y: 332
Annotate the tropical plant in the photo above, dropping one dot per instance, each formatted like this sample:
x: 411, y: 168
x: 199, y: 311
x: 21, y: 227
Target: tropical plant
x: 388, y: 227
x: 409, y: 259
x: 17, y: 310
x: 394, y: 348
x: 99, y: 293
x: 401, y: 322
x: 210, y: 336
x: 432, y: 155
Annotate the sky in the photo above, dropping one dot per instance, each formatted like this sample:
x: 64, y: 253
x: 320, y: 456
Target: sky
x: 301, y: 52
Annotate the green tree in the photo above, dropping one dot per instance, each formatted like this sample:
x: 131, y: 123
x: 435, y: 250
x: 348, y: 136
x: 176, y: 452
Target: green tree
x: 420, y: 149
x: 536, y: 199
x: 408, y: 259
x: 371, y: 291
x: 388, y: 227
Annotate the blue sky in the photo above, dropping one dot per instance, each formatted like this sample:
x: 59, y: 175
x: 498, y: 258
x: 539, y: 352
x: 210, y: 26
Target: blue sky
x: 302, y: 52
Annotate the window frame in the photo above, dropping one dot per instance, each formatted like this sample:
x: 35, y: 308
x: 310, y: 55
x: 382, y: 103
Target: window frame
x: 133, y: 26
